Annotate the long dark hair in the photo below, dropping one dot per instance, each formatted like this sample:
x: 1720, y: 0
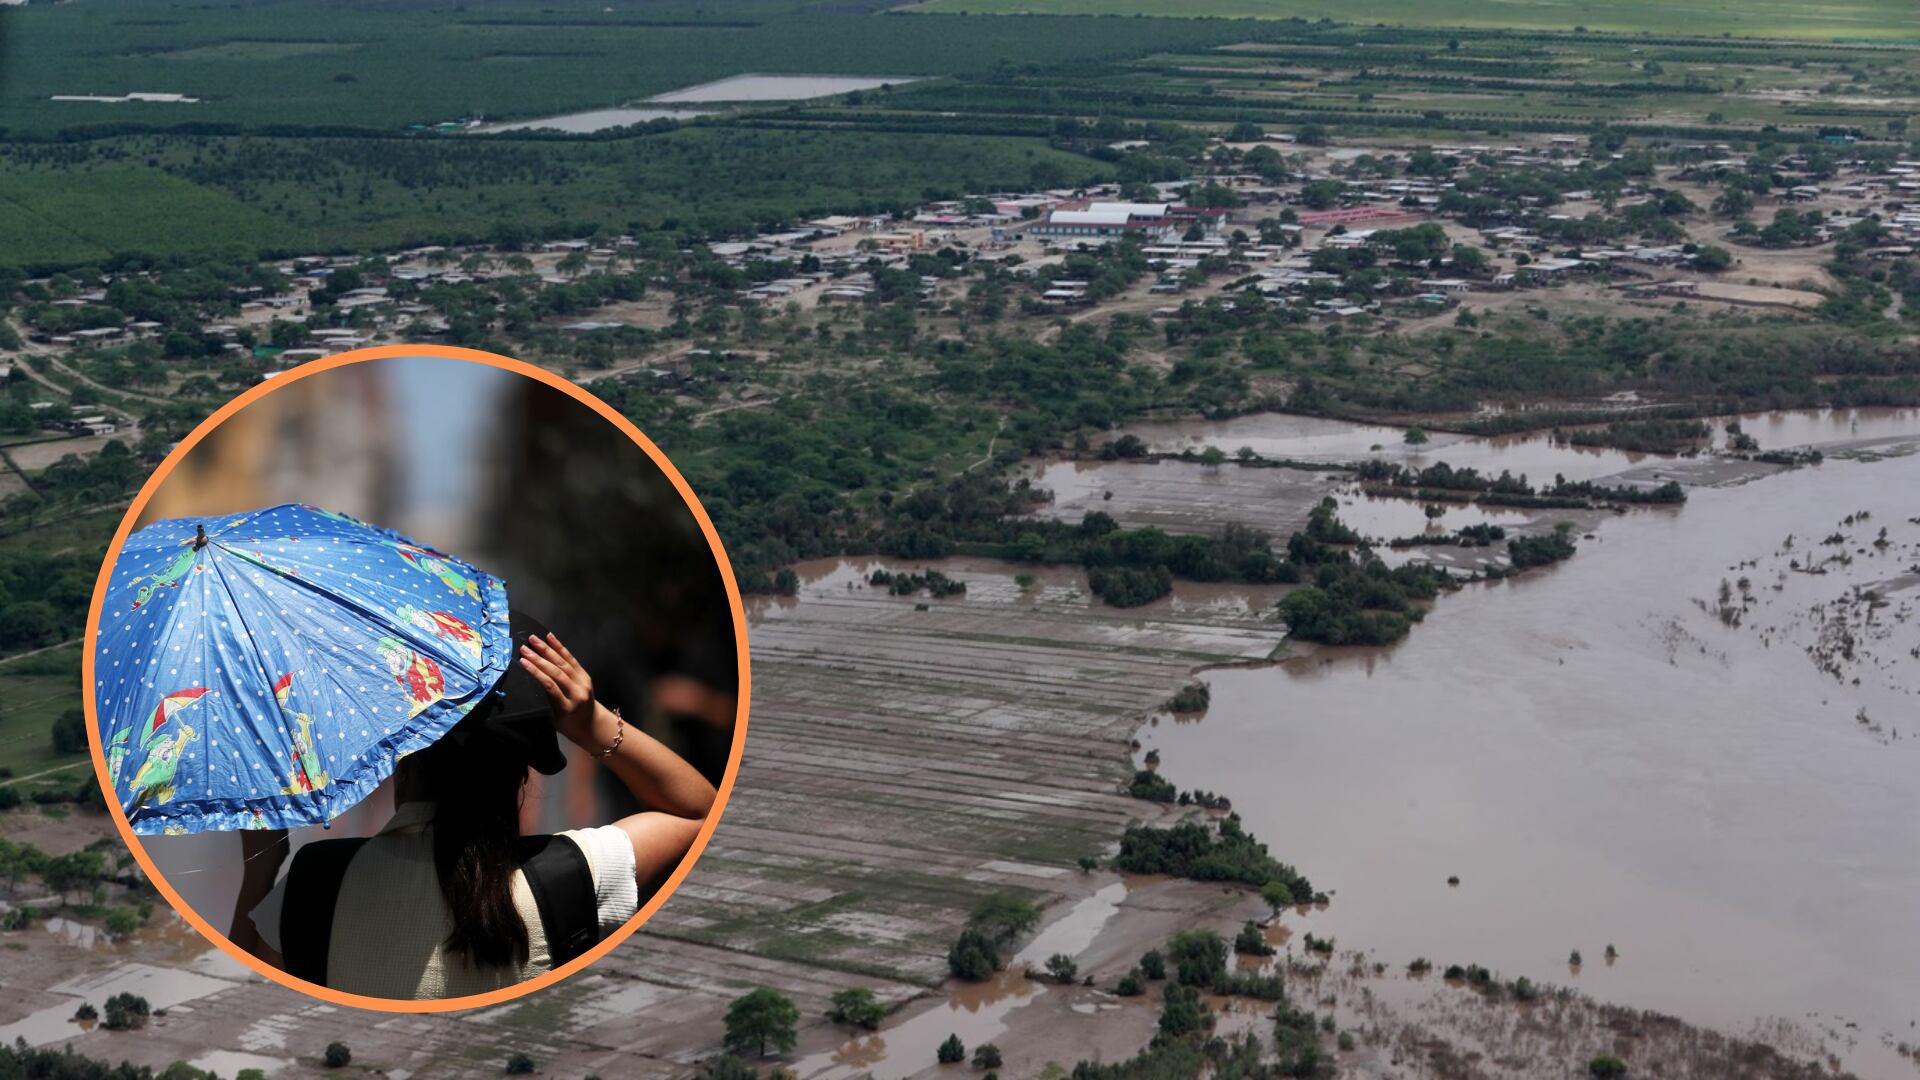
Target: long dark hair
x: 476, y: 849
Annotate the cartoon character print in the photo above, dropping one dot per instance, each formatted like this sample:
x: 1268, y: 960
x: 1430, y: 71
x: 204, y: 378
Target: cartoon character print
x: 447, y: 627
x: 152, y: 783
x: 166, y: 579
x: 432, y: 562
x: 308, y: 775
x: 417, y: 675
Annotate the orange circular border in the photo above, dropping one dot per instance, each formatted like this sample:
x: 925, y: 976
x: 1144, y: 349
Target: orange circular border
x: 539, y: 982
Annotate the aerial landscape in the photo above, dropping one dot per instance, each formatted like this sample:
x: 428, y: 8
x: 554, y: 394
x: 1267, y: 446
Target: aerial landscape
x: 1279, y: 538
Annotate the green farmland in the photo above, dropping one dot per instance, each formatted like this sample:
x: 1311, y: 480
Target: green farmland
x: 166, y: 196
x: 386, y: 67
x: 1821, y: 20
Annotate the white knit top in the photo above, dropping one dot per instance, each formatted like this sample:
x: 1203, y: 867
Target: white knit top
x: 390, y: 922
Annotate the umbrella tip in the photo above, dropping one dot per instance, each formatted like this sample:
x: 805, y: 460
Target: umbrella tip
x: 199, y: 537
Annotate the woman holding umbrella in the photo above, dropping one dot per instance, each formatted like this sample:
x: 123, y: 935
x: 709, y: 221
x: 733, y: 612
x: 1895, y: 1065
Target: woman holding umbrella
x: 449, y: 899
x: 268, y: 670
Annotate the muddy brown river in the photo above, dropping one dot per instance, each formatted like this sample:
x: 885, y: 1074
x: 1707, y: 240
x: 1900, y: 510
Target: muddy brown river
x: 1726, y: 789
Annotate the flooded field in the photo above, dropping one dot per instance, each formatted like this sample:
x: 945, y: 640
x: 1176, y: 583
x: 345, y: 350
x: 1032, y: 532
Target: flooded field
x: 1694, y: 742
x: 778, y: 88
x: 1536, y: 456
x: 590, y: 120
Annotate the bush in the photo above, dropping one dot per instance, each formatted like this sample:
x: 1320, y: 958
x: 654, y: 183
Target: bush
x: 986, y: 1056
x: 1153, y: 787
x: 1199, y: 957
x: 122, y: 921
x: 337, y: 1055
x: 1192, y: 850
x: 86, y: 1011
x: 973, y: 957
x: 1153, y: 965
x: 1127, y: 586
x: 951, y: 1051
x: 126, y: 1012
x: 1132, y: 984
x: 519, y: 1065
x: 1605, y: 1066
x: 1062, y: 969
x: 1193, y: 697
x: 857, y: 1006
x: 70, y: 732
x: 1251, y: 942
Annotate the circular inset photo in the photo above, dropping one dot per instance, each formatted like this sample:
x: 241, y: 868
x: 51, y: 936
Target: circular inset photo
x: 419, y: 678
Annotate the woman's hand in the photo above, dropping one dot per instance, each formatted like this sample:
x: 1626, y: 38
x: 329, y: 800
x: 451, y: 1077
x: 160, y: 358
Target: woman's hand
x: 567, y: 684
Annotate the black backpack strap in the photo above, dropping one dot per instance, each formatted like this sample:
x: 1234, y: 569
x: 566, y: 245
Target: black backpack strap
x: 562, y: 885
x: 306, y: 916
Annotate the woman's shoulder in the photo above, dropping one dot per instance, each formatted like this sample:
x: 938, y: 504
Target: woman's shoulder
x: 609, y: 855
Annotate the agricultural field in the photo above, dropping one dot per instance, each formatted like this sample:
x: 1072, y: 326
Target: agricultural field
x: 166, y: 196
x: 1858, y: 20
x: 34, y: 690
x: 276, y: 65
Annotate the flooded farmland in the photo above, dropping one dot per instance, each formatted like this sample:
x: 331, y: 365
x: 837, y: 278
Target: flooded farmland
x: 1694, y: 742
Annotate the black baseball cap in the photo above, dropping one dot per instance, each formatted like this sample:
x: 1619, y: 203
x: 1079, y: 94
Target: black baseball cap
x: 516, y: 716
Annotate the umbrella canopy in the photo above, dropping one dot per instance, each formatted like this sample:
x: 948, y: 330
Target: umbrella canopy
x: 267, y: 669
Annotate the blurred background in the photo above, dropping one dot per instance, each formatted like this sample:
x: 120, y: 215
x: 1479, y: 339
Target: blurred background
x: 526, y: 483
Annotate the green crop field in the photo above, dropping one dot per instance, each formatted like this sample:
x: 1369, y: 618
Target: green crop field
x: 263, y: 63
x: 1825, y: 20
x: 169, y: 196
x: 33, y: 690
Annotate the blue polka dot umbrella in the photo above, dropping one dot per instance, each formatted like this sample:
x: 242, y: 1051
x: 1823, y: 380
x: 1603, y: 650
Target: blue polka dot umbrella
x: 268, y: 669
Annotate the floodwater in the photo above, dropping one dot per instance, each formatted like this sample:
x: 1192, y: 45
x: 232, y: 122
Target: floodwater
x: 1536, y: 456
x: 1605, y: 754
x: 163, y: 987
x: 779, y: 88
x: 590, y: 120
x: 977, y: 1012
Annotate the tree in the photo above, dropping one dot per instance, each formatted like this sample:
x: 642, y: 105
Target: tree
x: 70, y: 732
x: 986, y: 1056
x: 1250, y: 941
x: 1712, y: 259
x: 857, y: 1006
x: 1417, y: 436
x: 126, y: 1012
x: 1277, y: 895
x: 1199, y: 957
x: 1153, y: 965
x: 1062, y: 968
x: 761, y: 1018
x: 1606, y: 1066
x: 122, y: 921
x: 74, y: 870
x: 28, y: 625
x: 973, y: 956
x: 951, y: 1051
x: 338, y: 1056
x: 1004, y: 917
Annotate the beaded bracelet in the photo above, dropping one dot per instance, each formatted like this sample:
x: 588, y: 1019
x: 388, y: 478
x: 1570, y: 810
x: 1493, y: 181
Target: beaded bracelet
x: 619, y: 734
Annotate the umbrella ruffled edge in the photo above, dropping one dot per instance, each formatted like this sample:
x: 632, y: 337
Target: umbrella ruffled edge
x: 235, y: 815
